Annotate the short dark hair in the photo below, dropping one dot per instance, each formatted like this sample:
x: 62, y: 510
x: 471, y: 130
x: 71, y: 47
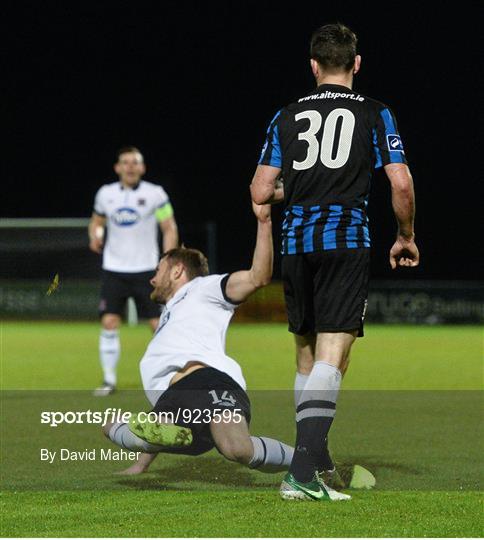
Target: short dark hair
x: 193, y: 260
x: 127, y: 150
x: 333, y: 46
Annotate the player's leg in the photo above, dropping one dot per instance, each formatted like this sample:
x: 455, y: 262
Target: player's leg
x: 109, y: 350
x: 305, y: 348
x: 305, y: 355
x: 117, y: 436
x: 317, y: 405
x: 235, y: 443
x: 297, y: 281
x: 158, y: 437
x: 338, y: 283
x: 111, y: 306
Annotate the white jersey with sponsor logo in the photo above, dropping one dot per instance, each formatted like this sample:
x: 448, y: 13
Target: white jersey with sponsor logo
x: 192, y: 328
x: 132, y: 228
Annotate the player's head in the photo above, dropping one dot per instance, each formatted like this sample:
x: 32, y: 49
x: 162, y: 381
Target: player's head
x: 177, y: 267
x: 129, y: 165
x: 333, y: 50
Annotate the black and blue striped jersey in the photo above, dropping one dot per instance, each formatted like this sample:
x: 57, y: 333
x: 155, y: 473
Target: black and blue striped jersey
x: 327, y: 144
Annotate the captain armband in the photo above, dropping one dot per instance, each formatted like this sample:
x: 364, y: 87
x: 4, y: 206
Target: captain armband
x: 164, y: 212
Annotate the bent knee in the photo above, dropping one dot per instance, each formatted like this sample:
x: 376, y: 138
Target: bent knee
x: 110, y: 321
x: 238, y: 451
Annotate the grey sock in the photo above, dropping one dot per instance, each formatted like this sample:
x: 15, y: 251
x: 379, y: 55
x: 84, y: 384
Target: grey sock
x: 299, y: 384
x: 270, y: 455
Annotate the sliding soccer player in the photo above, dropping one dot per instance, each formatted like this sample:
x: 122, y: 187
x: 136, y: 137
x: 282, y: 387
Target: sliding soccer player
x: 185, y: 369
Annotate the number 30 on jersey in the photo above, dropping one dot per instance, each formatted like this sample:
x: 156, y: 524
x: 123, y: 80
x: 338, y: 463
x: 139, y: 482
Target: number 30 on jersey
x: 327, y: 141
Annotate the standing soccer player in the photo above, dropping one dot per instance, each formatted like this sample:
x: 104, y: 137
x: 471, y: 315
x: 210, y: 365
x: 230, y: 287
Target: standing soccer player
x: 325, y: 146
x: 129, y: 210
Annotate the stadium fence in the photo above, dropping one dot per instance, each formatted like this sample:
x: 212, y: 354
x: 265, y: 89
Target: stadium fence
x: 34, y: 250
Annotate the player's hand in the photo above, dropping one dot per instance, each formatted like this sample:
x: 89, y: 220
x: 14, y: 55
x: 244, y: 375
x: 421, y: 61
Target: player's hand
x: 96, y: 245
x: 404, y: 252
x: 262, y: 212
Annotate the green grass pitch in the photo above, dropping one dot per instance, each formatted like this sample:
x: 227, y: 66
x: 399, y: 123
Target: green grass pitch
x: 410, y: 410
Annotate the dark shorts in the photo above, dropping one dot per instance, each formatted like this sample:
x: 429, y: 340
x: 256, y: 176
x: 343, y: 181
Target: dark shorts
x: 117, y: 287
x: 198, y: 398
x: 326, y: 291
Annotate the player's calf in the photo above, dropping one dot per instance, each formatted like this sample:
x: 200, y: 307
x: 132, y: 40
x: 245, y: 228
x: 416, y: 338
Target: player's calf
x: 235, y: 443
x: 232, y: 440
x: 240, y: 451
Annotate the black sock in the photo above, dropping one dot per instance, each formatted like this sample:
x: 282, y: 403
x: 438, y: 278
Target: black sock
x: 309, y: 453
x: 325, y: 463
x: 314, y: 416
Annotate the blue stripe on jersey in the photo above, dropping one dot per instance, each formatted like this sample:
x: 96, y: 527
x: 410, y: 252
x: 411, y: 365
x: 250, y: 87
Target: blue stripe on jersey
x: 275, y: 118
x: 308, y: 242
x: 333, y: 227
x: 297, y: 220
x: 272, y: 140
x: 276, y: 158
x: 329, y: 231
x: 396, y: 156
x: 378, y: 162
x: 352, y: 230
x: 388, y: 121
x: 284, y: 235
x: 291, y: 236
x: 366, y: 236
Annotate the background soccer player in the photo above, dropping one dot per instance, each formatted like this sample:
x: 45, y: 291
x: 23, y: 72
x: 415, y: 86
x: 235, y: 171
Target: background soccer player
x: 325, y: 146
x: 130, y: 210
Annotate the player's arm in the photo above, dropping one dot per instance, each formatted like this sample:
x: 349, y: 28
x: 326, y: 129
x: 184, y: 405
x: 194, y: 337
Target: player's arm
x: 266, y: 186
x: 168, y: 226
x: 241, y: 285
x: 404, y: 251
x: 96, y: 232
x: 169, y: 229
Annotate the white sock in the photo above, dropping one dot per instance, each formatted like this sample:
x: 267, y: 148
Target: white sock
x: 299, y: 384
x: 323, y: 383
x: 109, y: 351
x: 270, y: 455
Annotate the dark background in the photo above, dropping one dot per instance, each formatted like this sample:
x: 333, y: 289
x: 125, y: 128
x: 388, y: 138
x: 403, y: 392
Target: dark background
x: 194, y: 85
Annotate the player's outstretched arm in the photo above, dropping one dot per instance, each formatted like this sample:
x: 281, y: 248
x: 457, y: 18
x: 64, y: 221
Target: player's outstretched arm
x: 96, y: 232
x: 266, y: 186
x: 241, y: 285
x: 404, y: 251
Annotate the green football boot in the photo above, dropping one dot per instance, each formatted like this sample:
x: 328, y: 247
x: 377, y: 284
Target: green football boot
x: 161, y: 434
x: 315, y: 490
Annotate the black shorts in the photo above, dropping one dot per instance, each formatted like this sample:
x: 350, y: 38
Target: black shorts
x: 326, y: 291
x: 196, y: 399
x: 117, y: 287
